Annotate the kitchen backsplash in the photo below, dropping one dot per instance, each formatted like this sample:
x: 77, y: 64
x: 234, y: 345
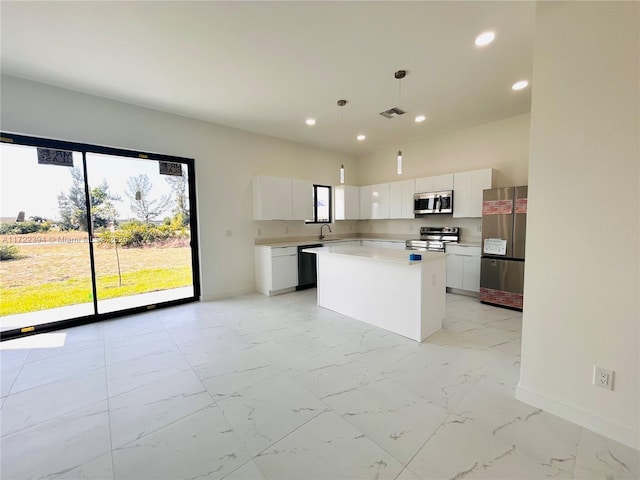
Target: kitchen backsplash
x: 265, y: 231
x: 287, y: 229
x: 470, y: 228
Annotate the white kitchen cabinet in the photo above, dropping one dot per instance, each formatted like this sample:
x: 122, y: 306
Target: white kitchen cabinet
x: 302, y: 199
x: 424, y: 185
x: 454, y: 271
x: 395, y: 199
x: 365, y: 202
x: 272, y: 198
x: 462, y: 194
x: 442, y: 182
x: 471, y: 273
x: 436, y: 183
x: 276, y: 269
x: 279, y: 198
x: 346, y: 202
x: 380, y: 201
x: 467, y: 192
x: 401, y: 199
x: 463, y: 267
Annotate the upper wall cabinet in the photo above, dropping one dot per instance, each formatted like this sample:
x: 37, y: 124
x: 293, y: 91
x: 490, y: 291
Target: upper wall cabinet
x: 302, y: 199
x: 272, y: 198
x: 277, y: 198
x: 467, y: 192
x: 347, y: 202
x: 380, y: 201
x: 434, y: 184
x: 401, y: 199
x: 365, y: 202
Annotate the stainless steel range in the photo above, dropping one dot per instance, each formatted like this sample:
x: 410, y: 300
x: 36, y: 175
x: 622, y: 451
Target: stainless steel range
x: 434, y: 238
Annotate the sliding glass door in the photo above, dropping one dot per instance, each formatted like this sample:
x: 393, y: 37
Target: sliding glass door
x: 140, y: 231
x: 45, y: 273
x: 89, y: 232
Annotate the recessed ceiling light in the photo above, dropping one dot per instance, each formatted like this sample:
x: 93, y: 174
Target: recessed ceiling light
x: 361, y: 137
x: 310, y: 121
x: 420, y: 118
x: 485, y: 39
x: 520, y: 85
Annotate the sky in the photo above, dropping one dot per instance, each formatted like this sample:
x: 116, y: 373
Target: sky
x: 27, y: 186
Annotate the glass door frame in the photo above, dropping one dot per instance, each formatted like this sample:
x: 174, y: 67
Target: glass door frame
x: 16, y: 139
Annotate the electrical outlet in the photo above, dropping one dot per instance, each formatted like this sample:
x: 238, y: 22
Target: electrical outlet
x: 602, y: 377
x: 286, y: 229
x: 228, y: 233
x: 259, y: 231
x: 479, y: 228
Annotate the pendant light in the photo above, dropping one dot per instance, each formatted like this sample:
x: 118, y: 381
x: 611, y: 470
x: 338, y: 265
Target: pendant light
x: 400, y: 74
x: 341, y: 103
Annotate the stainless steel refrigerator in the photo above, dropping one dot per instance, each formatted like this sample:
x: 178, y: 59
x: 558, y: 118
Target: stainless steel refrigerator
x: 504, y: 229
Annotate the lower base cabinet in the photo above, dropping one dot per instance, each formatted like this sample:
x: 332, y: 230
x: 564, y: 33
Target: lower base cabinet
x: 276, y: 269
x: 463, y: 267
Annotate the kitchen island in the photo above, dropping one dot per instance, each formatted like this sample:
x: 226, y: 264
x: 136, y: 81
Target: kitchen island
x: 383, y: 287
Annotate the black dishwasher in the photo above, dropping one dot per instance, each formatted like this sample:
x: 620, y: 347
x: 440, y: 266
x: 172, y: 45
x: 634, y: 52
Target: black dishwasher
x: 306, y: 267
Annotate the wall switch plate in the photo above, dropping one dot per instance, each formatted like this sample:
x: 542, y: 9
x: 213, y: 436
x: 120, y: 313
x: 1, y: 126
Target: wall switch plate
x: 286, y: 229
x: 602, y: 377
x: 259, y: 231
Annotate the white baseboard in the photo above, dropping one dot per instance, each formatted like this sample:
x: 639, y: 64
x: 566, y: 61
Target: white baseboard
x: 587, y: 420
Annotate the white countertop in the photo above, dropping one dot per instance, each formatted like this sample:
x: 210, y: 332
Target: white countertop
x: 330, y: 241
x: 376, y: 253
x: 296, y: 243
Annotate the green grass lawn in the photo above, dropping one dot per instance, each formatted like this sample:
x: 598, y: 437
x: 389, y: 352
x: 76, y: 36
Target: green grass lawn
x: 73, y: 291
x: 58, y: 275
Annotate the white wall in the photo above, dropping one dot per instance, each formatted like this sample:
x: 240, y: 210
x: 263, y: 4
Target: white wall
x: 502, y: 145
x: 583, y: 238
x: 225, y: 161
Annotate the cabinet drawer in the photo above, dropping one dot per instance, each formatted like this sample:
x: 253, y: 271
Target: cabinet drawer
x: 284, y: 272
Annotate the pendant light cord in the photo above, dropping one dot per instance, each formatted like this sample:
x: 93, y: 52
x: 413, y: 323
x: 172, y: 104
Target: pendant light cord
x: 400, y: 74
x: 341, y: 103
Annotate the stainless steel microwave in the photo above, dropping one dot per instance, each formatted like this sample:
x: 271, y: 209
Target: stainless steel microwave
x: 433, y: 202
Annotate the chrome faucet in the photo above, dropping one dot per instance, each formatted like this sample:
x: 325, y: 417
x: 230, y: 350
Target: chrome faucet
x: 324, y: 225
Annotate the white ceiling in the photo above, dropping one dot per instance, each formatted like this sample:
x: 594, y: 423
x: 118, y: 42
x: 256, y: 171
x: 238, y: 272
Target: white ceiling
x: 267, y: 66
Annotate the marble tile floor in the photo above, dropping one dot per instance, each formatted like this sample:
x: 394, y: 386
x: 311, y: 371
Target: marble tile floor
x: 277, y: 388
